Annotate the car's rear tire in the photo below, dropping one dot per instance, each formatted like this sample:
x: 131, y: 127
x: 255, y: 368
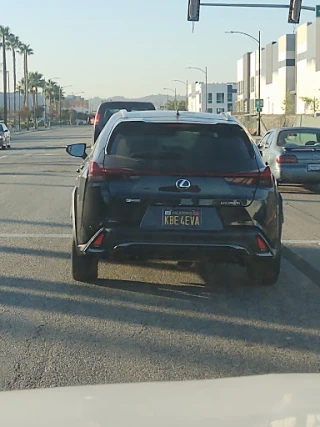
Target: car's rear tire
x: 3, y: 147
x: 84, y: 267
x: 264, y: 272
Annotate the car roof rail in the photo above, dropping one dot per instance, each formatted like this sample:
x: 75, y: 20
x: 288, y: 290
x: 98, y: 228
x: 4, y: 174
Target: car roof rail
x: 228, y: 117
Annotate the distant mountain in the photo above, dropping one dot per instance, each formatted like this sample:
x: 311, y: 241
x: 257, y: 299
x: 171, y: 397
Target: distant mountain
x: 157, y: 100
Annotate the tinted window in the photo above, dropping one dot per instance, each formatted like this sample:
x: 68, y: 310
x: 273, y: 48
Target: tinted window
x: 185, y: 148
x: 1, y: 128
x: 298, y: 138
x: 109, y: 108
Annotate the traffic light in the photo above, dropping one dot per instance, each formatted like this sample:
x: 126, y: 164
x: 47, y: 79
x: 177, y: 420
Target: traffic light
x: 294, y: 11
x: 193, y: 10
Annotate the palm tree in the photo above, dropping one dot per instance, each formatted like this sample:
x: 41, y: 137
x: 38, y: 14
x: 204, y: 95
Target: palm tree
x: 51, y: 92
x: 4, y: 34
x: 26, y: 51
x: 14, y: 45
x: 35, y: 81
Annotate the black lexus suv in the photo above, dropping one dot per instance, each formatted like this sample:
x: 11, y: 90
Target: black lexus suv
x: 108, y: 108
x: 177, y: 186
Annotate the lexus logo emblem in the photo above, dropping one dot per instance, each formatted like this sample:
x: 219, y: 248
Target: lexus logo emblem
x: 183, y: 184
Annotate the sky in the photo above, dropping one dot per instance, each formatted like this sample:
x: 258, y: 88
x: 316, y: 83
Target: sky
x: 135, y: 48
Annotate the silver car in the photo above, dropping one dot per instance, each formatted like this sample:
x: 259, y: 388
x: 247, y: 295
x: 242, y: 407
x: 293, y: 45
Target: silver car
x: 293, y: 155
x: 5, y: 137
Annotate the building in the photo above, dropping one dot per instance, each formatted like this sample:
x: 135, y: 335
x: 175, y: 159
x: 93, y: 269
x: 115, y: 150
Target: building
x: 73, y: 102
x: 221, y: 97
x: 290, y: 74
x: 307, y: 65
x: 94, y: 104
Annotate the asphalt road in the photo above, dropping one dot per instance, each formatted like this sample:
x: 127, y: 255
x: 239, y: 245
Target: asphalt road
x: 140, y: 322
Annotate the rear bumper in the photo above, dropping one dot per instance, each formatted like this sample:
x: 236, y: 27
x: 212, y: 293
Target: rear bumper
x: 296, y: 175
x: 229, y: 245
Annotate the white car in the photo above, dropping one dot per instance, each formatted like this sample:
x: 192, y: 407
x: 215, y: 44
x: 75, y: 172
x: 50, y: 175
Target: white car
x: 5, y: 137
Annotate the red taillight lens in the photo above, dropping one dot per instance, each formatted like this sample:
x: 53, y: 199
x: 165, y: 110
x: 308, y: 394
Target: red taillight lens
x: 98, y: 173
x: 98, y: 241
x: 97, y: 119
x: 265, y: 178
x: 261, y: 178
x: 287, y: 159
x: 261, y: 244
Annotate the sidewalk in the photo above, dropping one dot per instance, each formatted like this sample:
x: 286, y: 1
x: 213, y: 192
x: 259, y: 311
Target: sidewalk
x: 41, y: 129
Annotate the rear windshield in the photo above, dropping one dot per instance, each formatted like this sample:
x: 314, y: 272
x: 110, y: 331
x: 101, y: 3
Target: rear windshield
x: 298, y: 138
x: 182, y: 148
x: 114, y: 107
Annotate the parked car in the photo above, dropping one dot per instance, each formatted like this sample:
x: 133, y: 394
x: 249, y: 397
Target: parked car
x: 5, y: 137
x: 293, y: 154
x: 107, y: 109
x: 177, y: 186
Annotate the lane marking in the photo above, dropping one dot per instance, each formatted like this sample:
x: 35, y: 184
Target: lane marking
x: 2, y: 157
x: 301, y: 242
x: 38, y: 235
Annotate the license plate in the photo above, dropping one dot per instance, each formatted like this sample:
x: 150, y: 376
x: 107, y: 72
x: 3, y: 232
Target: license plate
x: 182, y: 218
x: 314, y: 167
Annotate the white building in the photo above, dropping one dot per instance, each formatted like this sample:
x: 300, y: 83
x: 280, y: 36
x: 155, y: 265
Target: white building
x: 290, y: 73
x: 221, y: 97
x: 308, y: 65
x: 277, y: 77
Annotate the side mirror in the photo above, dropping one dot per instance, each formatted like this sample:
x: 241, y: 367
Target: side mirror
x: 77, y: 150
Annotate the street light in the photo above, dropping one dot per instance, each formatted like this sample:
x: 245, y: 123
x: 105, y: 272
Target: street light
x: 257, y: 40
x: 175, y: 94
x: 60, y: 89
x: 186, y: 84
x: 205, y: 71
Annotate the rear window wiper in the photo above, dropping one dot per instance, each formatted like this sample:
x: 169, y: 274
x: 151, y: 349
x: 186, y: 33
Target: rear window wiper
x: 157, y: 155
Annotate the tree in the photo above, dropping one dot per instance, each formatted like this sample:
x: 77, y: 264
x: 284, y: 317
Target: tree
x: 35, y: 81
x: 287, y: 103
x: 26, y: 51
x: 14, y: 45
x: 25, y: 115
x: 4, y: 35
x: 310, y: 102
x: 176, y: 105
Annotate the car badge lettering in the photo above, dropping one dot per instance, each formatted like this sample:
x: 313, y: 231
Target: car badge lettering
x: 183, y: 184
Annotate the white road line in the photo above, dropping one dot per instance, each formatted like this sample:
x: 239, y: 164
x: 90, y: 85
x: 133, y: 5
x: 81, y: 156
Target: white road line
x: 301, y: 242
x: 47, y: 154
x: 38, y: 235
x: 2, y: 157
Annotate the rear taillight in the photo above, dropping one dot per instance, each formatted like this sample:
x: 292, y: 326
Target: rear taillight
x: 287, y: 158
x: 97, y: 119
x: 262, y: 178
x: 265, y: 178
x: 98, y: 173
x: 261, y: 244
x: 98, y: 241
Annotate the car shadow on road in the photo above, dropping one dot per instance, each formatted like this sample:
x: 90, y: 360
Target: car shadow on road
x: 248, y: 318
